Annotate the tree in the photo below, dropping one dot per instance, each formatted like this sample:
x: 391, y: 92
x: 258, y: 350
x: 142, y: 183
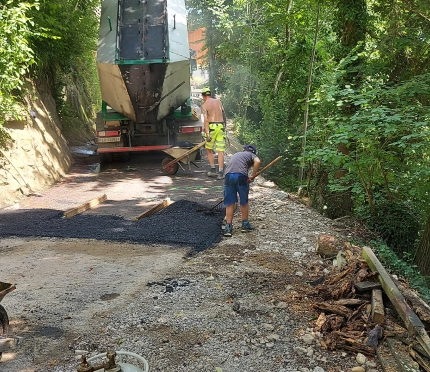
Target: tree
x: 422, y: 258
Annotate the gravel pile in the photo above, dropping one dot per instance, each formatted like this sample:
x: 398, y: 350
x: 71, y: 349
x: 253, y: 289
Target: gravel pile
x: 179, y: 224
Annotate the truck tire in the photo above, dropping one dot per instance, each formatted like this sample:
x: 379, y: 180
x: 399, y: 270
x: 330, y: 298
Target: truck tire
x: 121, y: 157
x: 106, y: 158
x: 4, y: 323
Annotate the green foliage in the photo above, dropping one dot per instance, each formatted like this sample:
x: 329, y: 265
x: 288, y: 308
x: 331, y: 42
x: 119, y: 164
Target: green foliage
x: 404, y: 268
x: 386, y: 139
x: 15, y: 59
x: 397, y: 225
x: 57, y: 39
x: 65, y: 44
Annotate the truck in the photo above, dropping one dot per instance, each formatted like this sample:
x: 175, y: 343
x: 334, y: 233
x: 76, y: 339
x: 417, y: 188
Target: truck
x: 144, y: 64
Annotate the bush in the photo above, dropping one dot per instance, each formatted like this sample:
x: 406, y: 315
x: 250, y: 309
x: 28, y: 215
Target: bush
x: 397, y: 225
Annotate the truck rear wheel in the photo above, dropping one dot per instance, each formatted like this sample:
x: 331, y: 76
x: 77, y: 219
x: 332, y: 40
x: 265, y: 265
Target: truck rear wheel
x: 121, y: 157
x: 106, y: 158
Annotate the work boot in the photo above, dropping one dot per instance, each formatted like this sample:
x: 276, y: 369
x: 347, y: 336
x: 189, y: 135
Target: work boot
x: 212, y: 173
x: 246, y: 227
x: 228, y: 229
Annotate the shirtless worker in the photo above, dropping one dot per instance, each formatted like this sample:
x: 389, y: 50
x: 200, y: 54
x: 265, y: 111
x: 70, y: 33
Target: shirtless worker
x: 214, y: 126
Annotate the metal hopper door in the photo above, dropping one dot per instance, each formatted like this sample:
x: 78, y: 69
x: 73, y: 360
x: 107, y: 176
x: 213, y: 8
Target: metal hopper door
x: 142, y: 30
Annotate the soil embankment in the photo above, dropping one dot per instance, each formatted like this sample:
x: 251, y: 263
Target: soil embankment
x: 38, y: 155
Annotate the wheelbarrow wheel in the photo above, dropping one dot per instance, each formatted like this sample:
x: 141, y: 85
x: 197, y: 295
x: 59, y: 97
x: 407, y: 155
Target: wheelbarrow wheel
x: 171, y: 169
x: 4, y: 323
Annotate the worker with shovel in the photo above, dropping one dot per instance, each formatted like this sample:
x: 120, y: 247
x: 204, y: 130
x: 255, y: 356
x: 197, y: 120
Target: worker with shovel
x: 237, y: 182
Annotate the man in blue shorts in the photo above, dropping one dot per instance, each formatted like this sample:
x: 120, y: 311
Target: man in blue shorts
x: 237, y: 182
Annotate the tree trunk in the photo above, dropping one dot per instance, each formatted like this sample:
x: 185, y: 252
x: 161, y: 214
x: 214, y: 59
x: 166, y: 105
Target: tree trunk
x: 422, y: 258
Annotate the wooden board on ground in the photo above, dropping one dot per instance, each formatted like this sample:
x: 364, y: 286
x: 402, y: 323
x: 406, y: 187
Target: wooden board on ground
x: 413, y: 323
x: 377, y: 306
x: 83, y: 207
x: 367, y: 286
x: 160, y: 206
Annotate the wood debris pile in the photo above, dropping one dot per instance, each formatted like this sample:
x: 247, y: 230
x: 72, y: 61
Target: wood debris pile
x: 360, y: 309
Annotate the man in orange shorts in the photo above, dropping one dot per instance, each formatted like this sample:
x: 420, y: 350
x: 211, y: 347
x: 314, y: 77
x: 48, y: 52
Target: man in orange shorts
x: 214, y: 125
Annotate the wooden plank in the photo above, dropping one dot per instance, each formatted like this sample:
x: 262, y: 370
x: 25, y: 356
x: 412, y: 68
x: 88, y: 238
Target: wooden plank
x: 334, y: 309
x: 412, y: 322
x: 367, y: 286
x: 377, y: 307
x: 356, y: 346
x: 83, y: 207
x: 348, y: 302
x: 157, y: 208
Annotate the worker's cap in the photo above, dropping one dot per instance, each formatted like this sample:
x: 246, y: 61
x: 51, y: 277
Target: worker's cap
x: 250, y: 148
x: 206, y: 91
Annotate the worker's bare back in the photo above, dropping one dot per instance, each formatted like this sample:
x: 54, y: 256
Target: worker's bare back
x: 213, y: 110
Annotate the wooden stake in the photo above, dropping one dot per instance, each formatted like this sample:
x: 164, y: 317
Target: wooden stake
x: 377, y: 307
x: 412, y: 322
x: 160, y: 206
x: 83, y: 207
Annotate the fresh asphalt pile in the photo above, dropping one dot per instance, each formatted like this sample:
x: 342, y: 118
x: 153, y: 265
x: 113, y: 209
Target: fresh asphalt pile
x: 182, y: 223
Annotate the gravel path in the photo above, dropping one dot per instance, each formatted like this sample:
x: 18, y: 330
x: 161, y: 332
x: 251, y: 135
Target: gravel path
x: 237, y: 304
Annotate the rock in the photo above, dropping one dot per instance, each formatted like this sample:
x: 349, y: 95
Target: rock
x: 327, y: 246
x: 308, y: 339
x: 300, y: 350
x: 318, y: 369
x: 358, y: 369
x: 374, y: 336
x: 360, y: 358
x: 273, y: 337
x: 268, y: 327
x: 281, y: 305
x: 81, y: 352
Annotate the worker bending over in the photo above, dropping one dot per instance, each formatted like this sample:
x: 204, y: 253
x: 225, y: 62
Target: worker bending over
x: 237, y: 182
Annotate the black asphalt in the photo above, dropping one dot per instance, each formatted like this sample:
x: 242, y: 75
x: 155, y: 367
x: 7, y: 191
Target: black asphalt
x: 181, y: 224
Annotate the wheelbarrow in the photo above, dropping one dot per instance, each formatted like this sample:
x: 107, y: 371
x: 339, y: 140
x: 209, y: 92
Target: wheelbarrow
x: 5, y: 342
x: 177, y: 155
